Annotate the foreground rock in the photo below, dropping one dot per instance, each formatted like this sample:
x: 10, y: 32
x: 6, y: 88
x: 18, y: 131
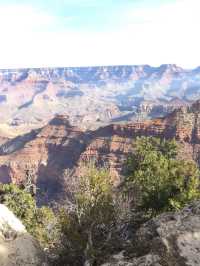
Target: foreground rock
x: 168, y: 240
x: 17, y: 247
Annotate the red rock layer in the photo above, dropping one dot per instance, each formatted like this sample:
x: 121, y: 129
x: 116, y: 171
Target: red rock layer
x: 54, y: 154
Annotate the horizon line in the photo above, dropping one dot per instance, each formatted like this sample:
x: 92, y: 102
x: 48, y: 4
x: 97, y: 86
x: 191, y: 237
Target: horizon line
x: 99, y: 66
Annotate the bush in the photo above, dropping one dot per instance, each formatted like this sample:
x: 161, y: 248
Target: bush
x: 161, y: 181
x: 88, y: 231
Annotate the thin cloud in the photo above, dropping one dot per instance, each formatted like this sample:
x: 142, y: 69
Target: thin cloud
x: 24, y: 18
x: 180, y: 11
x: 32, y: 37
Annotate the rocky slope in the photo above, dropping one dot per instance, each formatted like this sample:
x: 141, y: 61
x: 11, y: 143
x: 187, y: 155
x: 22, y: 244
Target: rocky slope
x: 92, y: 96
x: 17, y: 247
x: 53, y: 155
x: 172, y: 239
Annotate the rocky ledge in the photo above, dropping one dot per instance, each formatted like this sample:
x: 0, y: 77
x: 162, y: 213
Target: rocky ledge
x: 17, y: 247
x: 171, y: 239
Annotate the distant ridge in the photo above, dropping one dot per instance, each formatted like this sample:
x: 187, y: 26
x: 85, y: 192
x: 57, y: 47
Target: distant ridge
x: 93, y: 96
x: 97, y: 66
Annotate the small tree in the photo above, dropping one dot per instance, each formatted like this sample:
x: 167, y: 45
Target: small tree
x: 89, y: 229
x: 161, y: 181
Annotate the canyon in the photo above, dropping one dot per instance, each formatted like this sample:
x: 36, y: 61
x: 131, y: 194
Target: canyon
x: 54, y: 155
x: 92, y: 97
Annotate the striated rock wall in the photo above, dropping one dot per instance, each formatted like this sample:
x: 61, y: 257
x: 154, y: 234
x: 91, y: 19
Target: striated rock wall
x: 53, y: 155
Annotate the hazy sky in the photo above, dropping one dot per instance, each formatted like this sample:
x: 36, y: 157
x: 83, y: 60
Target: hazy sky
x: 38, y: 33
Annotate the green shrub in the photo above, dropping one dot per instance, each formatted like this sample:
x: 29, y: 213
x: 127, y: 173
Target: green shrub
x: 89, y: 230
x: 161, y: 181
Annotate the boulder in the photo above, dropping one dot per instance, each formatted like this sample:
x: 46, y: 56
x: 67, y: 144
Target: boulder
x: 121, y: 260
x: 17, y: 247
x: 171, y: 239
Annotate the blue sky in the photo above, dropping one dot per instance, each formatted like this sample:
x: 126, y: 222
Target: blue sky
x: 86, y: 14
x: 38, y: 33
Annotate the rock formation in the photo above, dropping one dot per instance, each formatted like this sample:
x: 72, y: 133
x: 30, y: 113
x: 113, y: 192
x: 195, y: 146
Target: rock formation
x: 52, y: 156
x: 171, y: 239
x: 17, y: 247
x: 92, y: 96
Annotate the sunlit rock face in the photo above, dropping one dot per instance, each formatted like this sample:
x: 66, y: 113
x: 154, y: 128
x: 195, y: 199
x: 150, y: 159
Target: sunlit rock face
x: 8, y: 221
x: 17, y: 247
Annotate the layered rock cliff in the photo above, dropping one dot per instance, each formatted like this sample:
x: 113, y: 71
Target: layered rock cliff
x: 92, y: 96
x: 53, y: 155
